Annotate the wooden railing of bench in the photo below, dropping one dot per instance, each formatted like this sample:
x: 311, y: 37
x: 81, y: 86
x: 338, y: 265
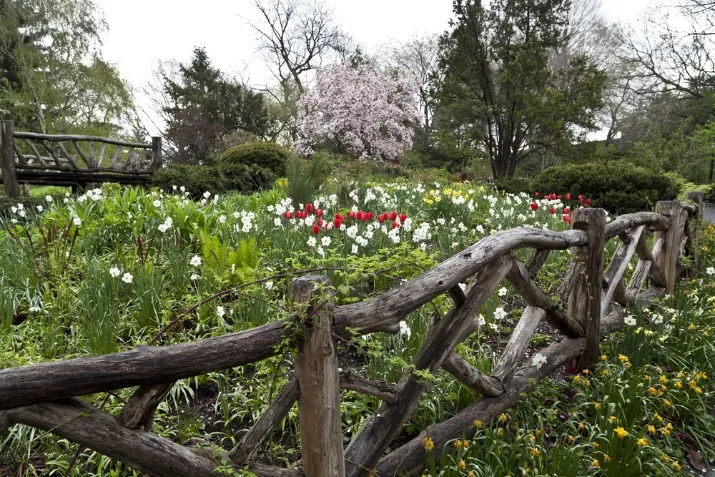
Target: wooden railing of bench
x: 44, y: 395
x: 28, y: 157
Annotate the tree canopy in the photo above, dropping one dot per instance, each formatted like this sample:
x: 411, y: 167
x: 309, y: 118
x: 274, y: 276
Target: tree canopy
x: 202, y: 105
x: 499, y: 94
x: 53, y: 76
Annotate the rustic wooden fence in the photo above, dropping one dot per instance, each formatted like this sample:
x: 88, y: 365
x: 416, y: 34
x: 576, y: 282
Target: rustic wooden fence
x: 43, y: 395
x: 27, y: 157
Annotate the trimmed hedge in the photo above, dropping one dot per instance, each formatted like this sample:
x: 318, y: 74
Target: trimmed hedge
x: 618, y: 188
x: 214, y: 178
x: 513, y: 185
x: 266, y: 155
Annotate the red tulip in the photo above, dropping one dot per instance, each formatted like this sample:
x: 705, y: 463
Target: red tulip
x: 393, y: 215
x: 534, y: 206
x: 309, y: 208
x: 351, y: 214
x: 566, y: 218
x: 360, y: 216
x: 568, y: 196
x: 586, y: 206
x: 340, y: 217
x: 567, y: 210
x: 588, y: 201
x: 319, y: 213
x: 558, y: 197
x: 288, y: 215
x: 403, y: 217
x: 580, y: 198
x: 337, y: 223
x: 369, y: 216
x: 536, y: 194
x: 319, y: 222
x: 382, y: 217
x: 553, y: 210
x: 316, y: 229
x: 395, y: 225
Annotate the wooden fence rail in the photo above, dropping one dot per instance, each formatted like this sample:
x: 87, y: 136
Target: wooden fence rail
x: 44, y: 395
x: 27, y: 157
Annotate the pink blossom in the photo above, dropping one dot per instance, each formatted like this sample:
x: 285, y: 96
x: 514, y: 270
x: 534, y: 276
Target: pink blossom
x: 368, y: 114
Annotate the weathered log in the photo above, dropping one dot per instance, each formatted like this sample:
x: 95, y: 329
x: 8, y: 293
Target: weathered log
x: 67, y: 137
x: 82, y: 176
x: 537, y: 260
x: 520, y: 278
x: 141, y: 366
x: 698, y: 199
x: 70, y: 158
x: 367, y: 447
x: 471, y: 376
x: 4, y: 423
x: 668, y: 260
x: 518, y: 342
x: 380, y: 389
x: 267, y: 423
x: 383, y: 312
x: 628, y: 221
x: 90, y: 172
x: 618, y: 266
x: 644, y: 253
x: 21, y: 159
x: 7, y: 160
x: 644, y: 269
x: 316, y: 369
x: 620, y: 295
x: 34, y: 150
x: 585, y: 297
x: 92, y: 428
x: 138, y: 412
x: 49, y: 149
x: 87, y: 161
x: 262, y: 470
x: 410, y: 459
x: 692, y: 228
x: 157, y: 154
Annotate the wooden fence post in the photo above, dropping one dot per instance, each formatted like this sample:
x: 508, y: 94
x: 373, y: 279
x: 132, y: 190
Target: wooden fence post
x: 668, y: 259
x: 316, y: 368
x: 694, y: 225
x: 156, y: 150
x: 584, y: 302
x: 7, y: 159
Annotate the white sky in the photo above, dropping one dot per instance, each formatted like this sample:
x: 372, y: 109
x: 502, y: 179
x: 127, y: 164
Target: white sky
x: 142, y: 32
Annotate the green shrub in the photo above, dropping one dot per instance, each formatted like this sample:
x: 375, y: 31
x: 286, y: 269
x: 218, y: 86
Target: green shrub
x: 513, y: 185
x: 197, y: 179
x: 618, y: 188
x: 215, y: 178
x: 244, y: 178
x: 267, y: 155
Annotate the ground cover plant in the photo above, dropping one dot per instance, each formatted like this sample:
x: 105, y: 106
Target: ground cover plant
x: 111, y: 270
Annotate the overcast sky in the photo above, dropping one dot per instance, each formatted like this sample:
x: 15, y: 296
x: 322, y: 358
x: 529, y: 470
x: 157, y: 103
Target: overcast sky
x: 142, y: 32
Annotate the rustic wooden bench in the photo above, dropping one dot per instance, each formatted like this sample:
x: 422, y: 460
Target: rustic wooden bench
x: 72, y: 160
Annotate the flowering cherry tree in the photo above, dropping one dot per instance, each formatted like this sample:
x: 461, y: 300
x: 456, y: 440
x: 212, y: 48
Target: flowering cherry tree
x: 364, y: 113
